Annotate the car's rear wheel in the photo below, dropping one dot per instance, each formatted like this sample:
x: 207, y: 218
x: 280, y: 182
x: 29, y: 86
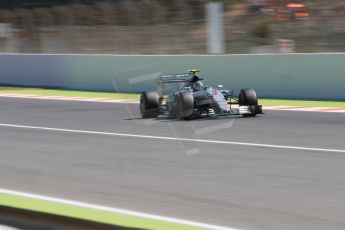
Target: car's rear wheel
x: 248, y: 97
x: 185, y: 106
x: 149, y: 104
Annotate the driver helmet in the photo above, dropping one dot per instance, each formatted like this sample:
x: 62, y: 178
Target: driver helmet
x: 197, y: 86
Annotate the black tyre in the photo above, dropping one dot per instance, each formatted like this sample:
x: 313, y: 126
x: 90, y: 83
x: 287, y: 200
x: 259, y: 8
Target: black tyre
x: 248, y: 97
x: 185, y: 106
x: 149, y: 104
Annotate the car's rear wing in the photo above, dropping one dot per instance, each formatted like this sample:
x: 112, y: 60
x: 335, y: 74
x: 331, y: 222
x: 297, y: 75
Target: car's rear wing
x: 173, y: 78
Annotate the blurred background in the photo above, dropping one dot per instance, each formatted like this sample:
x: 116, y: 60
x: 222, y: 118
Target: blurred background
x: 171, y: 27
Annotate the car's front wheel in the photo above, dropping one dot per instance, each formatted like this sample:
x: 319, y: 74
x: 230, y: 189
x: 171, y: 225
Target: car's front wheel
x: 248, y: 97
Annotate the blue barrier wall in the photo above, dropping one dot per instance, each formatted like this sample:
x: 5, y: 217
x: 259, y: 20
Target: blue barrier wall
x: 272, y: 75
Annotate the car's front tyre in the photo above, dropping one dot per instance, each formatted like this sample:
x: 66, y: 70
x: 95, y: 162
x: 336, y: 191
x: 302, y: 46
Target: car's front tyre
x: 248, y: 97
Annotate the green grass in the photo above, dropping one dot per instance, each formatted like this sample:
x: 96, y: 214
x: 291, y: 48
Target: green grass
x: 100, y: 216
x: 71, y: 93
x: 304, y: 102
x: 113, y: 95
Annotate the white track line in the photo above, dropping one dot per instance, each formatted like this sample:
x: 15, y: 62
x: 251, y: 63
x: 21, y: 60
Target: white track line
x: 174, y: 138
x: 114, y: 210
x: 4, y: 227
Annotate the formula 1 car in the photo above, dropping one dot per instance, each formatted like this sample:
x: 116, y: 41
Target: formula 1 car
x: 183, y: 96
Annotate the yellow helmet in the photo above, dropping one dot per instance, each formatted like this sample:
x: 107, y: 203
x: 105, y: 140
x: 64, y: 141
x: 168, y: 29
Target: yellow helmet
x: 194, y: 71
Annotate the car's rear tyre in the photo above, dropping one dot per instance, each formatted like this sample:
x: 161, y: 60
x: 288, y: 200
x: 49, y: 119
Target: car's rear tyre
x: 149, y: 104
x: 248, y: 97
x: 185, y: 106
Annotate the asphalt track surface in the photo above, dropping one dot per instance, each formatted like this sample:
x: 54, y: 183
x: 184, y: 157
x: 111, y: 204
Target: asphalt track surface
x: 244, y: 187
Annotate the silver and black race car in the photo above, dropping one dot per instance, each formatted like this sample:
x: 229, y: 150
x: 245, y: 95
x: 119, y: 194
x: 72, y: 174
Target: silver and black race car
x: 183, y: 96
